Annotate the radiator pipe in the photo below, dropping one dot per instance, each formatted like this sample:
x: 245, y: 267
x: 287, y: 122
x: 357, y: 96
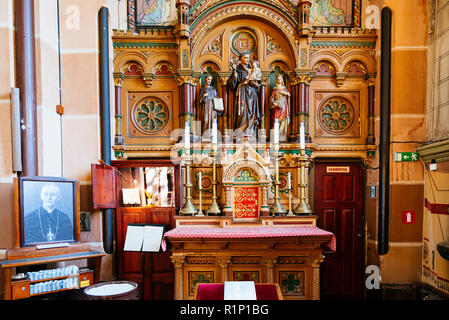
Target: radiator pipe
x: 105, y: 119
x: 26, y: 82
x: 384, y: 143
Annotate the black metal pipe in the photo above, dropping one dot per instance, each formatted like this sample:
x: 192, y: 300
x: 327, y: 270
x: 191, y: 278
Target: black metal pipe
x: 384, y: 141
x: 105, y: 119
x: 26, y: 82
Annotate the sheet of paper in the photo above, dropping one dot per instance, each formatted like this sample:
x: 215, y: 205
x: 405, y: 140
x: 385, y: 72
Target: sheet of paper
x: 152, y: 238
x: 239, y: 290
x: 131, y: 196
x: 134, y: 238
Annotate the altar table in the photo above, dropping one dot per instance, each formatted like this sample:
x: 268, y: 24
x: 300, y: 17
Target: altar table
x: 287, y: 255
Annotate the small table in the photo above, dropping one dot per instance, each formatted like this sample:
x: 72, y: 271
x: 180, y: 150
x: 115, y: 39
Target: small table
x: 6, y: 266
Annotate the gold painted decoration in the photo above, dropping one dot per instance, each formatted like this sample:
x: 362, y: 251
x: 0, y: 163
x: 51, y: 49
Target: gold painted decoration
x: 324, y: 68
x: 150, y: 115
x: 245, y: 175
x: 355, y: 68
x: 336, y: 115
x: 246, y: 202
x: 215, y: 46
x: 196, y: 277
x: 272, y: 46
x: 246, y: 276
x: 243, y: 41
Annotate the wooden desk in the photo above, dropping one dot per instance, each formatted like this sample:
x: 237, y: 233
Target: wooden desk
x: 6, y: 266
x: 289, y: 256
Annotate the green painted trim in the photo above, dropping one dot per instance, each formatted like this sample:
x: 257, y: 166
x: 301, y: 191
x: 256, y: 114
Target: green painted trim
x: 119, y: 154
x: 343, y: 44
x: 145, y: 45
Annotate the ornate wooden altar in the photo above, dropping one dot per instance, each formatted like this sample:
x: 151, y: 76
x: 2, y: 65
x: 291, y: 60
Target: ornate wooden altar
x: 281, y: 250
x: 328, y: 64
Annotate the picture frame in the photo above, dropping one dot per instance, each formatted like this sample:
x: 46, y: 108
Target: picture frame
x: 47, y: 211
x: 151, y: 14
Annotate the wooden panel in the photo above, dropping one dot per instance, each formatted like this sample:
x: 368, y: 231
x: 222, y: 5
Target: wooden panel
x: 86, y: 278
x: 338, y: 203
x: 103, y: 187
x: 347, y: 236
x: 328, y: 189
x: 347, y: 189
x: 328, y: 220
x: 129, y: 262
x: 20, y: 289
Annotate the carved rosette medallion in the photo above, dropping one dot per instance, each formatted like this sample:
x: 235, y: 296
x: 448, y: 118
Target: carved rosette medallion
x: 243, y: 41
x: 150, y: 115
x: 336, y: 115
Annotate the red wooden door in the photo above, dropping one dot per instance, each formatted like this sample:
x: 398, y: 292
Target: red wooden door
x: 339, y: 204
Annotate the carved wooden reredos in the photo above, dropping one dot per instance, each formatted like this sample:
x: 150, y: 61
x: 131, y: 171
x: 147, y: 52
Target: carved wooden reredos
x: 329, y: 70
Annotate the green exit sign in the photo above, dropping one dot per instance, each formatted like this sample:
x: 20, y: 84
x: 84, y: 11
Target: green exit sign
x: 406, y: 156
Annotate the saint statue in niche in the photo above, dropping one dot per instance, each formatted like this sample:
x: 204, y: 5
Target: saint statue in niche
x: 206, y: 100
x: 279, y: 102
x: 245, y: 82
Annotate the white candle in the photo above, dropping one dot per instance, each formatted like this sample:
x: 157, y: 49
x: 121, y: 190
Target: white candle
x: 199, y: 180
x: 187, y: 135
x: 214, y: 131
x: 302, y: 137
x: 276, y: 131
x: 289, y: 181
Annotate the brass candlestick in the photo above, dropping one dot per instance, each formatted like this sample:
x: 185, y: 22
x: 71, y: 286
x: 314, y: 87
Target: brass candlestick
x: 303, y: 208
x: 189, y: 208
x: 214, y: 209
x: 277, y: 209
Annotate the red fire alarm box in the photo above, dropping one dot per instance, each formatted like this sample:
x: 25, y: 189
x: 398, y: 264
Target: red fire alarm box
x: 408, y: 217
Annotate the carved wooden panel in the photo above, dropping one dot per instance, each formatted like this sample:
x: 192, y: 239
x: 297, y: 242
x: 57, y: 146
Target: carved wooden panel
x: 292, y: 282
x: 150, y: 114
x: 199, y: 276
x: 337, y: 114
x: 246, y: 275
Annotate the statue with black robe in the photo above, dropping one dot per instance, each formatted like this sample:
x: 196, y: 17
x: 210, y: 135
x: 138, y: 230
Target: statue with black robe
x: 246, y: 97
x: 206, y: 100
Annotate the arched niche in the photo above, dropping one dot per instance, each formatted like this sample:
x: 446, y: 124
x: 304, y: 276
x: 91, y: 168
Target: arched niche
x: 212, y: 69
x: 216, y: 44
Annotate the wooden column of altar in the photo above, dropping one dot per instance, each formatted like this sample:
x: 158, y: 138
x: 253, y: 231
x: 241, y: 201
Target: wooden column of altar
x: 290, y: 261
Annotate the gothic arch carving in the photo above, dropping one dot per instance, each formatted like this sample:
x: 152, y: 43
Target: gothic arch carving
x: 226, y: 11
x: 364, y: 57
x: 227, y: 30
x: 234, y: 169
x: 324, y: 67
x: 123, y: 58
x: 329, y: 56
x: 163, y: 68
x: 170, y: 58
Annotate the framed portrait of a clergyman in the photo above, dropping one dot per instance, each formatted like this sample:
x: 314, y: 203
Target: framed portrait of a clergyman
x: 48, y: 210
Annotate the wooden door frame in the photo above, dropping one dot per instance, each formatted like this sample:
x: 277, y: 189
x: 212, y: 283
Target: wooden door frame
x: 342, y: 161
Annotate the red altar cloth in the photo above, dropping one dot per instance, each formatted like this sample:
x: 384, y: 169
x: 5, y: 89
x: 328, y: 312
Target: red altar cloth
x: 249, y: 232
x: 215, y: 291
